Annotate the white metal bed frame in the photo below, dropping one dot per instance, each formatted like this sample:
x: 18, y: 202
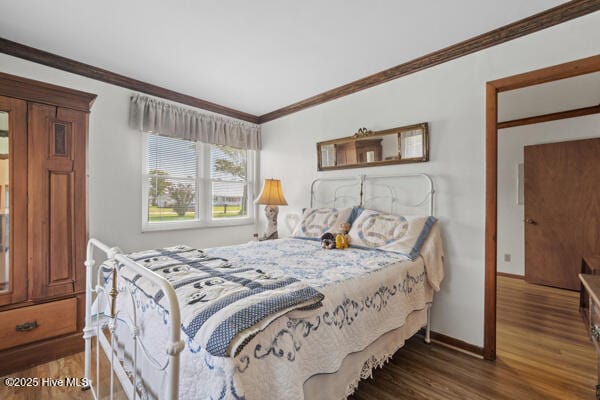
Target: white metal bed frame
x: 95, y: 328
x: 98, y: 325
x: 362, y: 201
x: 363, y: 179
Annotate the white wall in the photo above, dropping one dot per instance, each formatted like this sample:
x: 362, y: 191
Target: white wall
x: 451, y: 97
x: 511, y: 238
x: 115, y: 168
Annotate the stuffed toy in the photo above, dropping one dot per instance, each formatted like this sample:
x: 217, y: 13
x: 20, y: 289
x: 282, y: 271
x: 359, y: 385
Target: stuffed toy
x: 342, y: 239
x: 328, y: 241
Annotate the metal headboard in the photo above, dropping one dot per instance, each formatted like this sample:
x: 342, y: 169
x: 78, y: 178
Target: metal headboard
x: 341, y: 193
x: 363, y: 185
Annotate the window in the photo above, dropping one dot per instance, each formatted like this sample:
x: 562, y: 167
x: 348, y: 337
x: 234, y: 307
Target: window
x: 190, y: 184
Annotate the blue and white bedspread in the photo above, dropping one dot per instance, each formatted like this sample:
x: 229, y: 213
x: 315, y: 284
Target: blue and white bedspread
x: 222, y: 303
x: 367, y: 293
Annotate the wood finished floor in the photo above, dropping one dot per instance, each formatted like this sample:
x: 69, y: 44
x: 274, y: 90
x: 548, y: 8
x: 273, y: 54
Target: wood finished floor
x: 543, y: 353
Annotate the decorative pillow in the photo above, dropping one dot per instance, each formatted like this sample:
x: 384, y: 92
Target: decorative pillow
x: 401, y: 234
x: 356, y: 211
x: 316, y: 221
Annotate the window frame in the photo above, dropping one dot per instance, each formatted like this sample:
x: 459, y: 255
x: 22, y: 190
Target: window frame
x: 203, y: 208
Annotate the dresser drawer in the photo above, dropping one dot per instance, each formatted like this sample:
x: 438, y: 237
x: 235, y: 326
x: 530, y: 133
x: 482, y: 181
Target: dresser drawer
x: 33, y: 323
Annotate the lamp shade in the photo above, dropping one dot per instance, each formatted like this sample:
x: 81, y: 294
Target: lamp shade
x: 271, y: 193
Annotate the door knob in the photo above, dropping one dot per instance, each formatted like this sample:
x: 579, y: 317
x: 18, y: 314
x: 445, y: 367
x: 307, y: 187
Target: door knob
x: 530, y: 221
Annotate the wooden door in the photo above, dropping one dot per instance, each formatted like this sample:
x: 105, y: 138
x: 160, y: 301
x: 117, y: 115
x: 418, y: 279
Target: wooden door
x: 562, y: 210
x: 57, y: 205
x: 13, y: 199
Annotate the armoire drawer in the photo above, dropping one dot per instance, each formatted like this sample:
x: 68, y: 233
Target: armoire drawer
x: 33, y: 323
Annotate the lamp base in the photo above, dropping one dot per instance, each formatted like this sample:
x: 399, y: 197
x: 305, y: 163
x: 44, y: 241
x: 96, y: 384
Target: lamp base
x: 272, y: 236
x: 271, y: 213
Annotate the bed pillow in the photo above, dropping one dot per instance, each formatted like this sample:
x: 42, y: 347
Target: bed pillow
x: 401, y: 234
x: 317, y: 221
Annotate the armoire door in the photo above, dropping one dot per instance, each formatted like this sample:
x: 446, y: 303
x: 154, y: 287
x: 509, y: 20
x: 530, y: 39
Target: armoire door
x: 57, y: 205
x: 13, y: 200
x: 562, y: 210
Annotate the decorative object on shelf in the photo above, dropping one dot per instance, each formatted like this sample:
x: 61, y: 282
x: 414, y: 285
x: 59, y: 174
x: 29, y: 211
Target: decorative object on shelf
x: 362, y: 132
x: 366, y: 148
x: 271, y: 196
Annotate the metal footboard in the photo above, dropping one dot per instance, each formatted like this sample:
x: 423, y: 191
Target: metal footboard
x: 95, y: 326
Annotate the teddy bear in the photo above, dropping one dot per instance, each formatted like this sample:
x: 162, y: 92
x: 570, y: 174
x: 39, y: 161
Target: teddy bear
x: 340, y: 240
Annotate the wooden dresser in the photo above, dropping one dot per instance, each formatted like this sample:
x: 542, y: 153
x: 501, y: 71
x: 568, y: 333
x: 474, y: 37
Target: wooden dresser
x: 591, y: 285
x: 589, y: 265
x: 43, y: 155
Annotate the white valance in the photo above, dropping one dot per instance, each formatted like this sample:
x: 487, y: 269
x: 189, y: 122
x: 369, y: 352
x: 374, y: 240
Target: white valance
x: 150, y: 115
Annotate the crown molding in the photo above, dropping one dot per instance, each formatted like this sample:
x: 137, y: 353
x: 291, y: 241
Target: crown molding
x: 66, y: 64
x: 526, y: 26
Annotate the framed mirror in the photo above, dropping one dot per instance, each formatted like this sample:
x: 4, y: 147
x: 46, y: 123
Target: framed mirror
x: 406, y: 144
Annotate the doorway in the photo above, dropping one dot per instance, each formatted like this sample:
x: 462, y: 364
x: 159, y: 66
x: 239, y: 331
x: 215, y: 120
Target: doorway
x: 493, y: 88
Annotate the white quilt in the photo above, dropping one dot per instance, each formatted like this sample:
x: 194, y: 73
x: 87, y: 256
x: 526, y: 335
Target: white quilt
x: 367, y: 293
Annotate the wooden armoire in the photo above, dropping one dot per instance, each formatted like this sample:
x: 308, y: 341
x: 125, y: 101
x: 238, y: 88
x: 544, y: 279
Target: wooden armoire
x: 43, y: 129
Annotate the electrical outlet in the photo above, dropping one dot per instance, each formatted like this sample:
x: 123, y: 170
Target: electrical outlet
x: 507, y: 257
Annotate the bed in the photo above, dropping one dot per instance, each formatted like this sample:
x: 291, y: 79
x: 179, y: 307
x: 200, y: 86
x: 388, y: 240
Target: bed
x: 359, y: 305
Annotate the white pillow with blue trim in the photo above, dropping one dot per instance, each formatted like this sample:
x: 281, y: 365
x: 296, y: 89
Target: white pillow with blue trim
x: 400, y: 234
x: 317, y: 221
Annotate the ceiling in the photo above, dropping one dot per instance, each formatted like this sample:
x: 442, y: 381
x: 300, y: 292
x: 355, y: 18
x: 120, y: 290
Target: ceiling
x: 254, y: 56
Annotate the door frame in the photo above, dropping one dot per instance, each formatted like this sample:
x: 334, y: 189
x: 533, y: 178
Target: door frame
x: 557, y: 72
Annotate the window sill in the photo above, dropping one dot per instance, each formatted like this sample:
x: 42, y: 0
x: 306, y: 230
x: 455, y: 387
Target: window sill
x: 183, y: 225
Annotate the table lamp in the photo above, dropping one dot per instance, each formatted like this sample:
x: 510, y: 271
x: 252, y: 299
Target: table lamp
x: 271, y: 196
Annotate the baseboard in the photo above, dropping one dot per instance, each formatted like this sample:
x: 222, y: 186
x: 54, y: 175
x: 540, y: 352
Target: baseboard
x: 455, y: 344
x: 27, y: 356
x: 507, y: 275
